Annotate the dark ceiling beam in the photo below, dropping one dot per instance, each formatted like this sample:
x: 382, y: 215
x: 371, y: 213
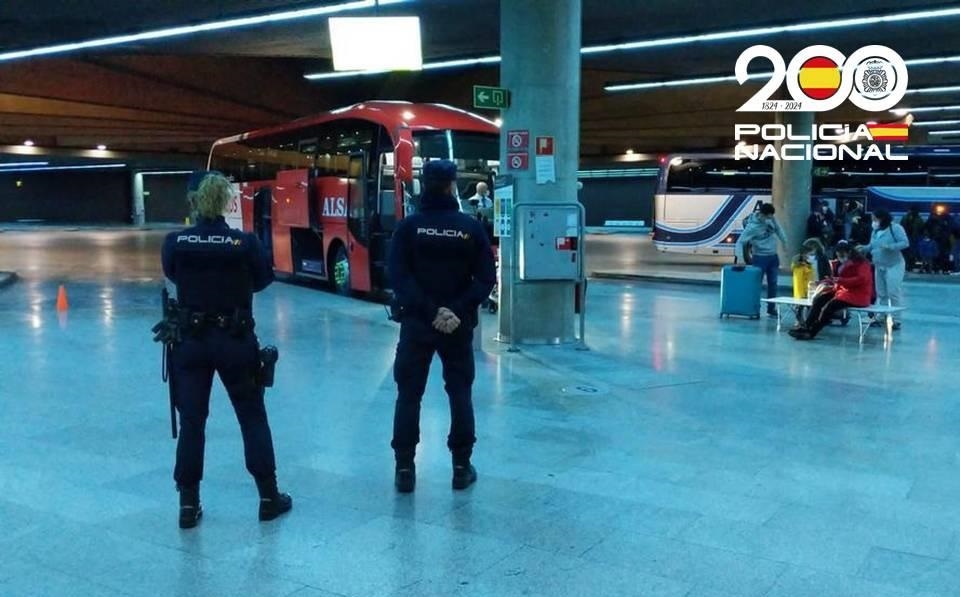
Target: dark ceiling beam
x: 67, y: 122
x: 41, y: 106
x: 267, y: 112
x: 78, y: 82
x: 41, y: 128
x: 128, y: 141
x: 275, y: 84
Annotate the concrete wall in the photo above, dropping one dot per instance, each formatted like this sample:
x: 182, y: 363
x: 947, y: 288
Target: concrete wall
x: 69, y: 197
x: 165, y: 197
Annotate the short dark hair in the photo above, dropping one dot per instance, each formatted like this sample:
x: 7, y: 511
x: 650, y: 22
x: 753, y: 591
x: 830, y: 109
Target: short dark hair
x: 883, y: 216
x: 856, y: 254
x: 440, y: 171
x: 438, y: 187
x: 767, y: 209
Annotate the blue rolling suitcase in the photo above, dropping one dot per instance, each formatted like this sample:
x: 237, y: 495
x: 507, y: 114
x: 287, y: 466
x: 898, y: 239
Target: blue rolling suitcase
x: 740, y: 291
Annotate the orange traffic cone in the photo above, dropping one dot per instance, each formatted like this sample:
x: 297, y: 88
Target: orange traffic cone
x: 62, y: 304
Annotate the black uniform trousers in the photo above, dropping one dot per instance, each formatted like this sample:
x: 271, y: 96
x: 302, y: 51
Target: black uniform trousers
x: 235, y: 359
x: 418, y: 343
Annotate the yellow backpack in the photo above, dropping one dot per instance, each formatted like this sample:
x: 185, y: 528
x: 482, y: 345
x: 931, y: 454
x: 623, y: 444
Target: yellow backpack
x: 802, y: 276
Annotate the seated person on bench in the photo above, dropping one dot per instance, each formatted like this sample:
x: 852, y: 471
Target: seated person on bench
x: 853, y: 287
x: 810, y: 267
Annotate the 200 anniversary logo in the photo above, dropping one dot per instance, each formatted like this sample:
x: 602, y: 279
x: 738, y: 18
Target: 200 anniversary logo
x: 820, y: 78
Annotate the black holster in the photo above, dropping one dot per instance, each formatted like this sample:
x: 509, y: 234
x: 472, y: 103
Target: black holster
x: 269, y: 355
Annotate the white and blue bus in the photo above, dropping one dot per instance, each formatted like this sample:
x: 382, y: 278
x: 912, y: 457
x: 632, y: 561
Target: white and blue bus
x: 703, y: 199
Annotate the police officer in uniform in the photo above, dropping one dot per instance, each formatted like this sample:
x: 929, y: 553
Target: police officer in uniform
x: 216, y: 270
x: 441, y: 268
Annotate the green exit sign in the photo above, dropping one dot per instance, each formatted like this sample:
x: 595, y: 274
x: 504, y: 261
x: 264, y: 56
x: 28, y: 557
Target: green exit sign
x: 493, y: 98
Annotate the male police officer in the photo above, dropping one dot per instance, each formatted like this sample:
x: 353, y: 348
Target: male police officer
x: 216, y: 270
x: 441, y: 268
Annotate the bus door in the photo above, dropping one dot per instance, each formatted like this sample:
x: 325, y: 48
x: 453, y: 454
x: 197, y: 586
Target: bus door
x: 263, y: 218
x: 384, y: 221
x: 360, y: 208
x: 295, y: 212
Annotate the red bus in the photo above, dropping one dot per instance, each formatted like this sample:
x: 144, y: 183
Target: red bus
x: 324, y: 193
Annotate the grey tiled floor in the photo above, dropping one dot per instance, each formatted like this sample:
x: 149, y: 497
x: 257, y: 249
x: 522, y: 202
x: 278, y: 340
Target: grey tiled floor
x: 713, y: 459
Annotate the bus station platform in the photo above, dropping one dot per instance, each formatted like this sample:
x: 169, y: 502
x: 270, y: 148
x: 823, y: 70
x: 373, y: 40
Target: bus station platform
x: 632, y: 257
x: 681, y: 456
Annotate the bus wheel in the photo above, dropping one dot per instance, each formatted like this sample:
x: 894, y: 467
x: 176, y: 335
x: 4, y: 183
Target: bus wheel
x: 340, y: 268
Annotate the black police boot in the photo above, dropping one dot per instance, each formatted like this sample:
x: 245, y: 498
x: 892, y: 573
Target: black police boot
x: 464, y: 474
x: 190, y: 510
x: 405, y: 477
x: 272, y: 502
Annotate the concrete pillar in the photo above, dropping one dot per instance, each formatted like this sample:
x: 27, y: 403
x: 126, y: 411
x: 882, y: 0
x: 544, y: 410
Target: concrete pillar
x: 139, y: 209
x: 792, y: 188
x: 540, y: 50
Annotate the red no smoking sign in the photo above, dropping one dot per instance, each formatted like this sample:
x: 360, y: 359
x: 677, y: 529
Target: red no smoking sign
x: 517, y: 140
x: 518, y: 160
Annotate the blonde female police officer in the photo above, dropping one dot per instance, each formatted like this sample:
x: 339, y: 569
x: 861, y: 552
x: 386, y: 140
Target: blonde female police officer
x: 441, y: 268
x: 216, y: 270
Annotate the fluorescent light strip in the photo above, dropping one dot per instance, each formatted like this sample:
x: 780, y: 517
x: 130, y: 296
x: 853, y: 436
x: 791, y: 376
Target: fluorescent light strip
x: 682, y: 82
x: 692, y: 39
x: 925, y: 61
x: 426, y: 66
x: 619, y: 173
x: 905, y: 111
x: 52, y: 168
x: 733, y: 78
x: 945, y: 132
x: 286, y: 15
x: 22, y: 164
x: 759, y: 31
x: 945, y: 89
x: 936, y: 122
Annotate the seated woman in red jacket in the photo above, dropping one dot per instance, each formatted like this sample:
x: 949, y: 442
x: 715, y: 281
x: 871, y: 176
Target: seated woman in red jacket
x: 853, y: 287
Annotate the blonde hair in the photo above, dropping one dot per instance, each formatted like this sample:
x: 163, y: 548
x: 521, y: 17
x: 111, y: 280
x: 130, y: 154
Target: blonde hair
x: 211, y: 199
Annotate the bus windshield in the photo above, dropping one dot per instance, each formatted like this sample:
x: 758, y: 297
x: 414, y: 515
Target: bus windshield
x: 476, y: 155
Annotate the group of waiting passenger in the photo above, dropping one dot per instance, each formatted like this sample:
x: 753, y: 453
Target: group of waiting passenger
x: 858, y: 274
x: 934, y: 240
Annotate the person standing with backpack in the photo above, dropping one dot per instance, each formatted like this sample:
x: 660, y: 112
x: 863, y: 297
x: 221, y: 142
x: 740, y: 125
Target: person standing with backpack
x: 887, y: 244
x: 761, y: 231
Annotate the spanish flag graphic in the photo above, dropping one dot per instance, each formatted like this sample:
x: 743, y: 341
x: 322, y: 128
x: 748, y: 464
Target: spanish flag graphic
x: 819, y: 78
x: 889, y: 132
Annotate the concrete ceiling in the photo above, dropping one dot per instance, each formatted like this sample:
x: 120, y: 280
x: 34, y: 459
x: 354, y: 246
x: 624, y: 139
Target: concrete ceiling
x: 178, y: 95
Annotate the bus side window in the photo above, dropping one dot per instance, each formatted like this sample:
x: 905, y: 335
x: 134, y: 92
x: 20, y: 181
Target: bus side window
x: 358, y: 192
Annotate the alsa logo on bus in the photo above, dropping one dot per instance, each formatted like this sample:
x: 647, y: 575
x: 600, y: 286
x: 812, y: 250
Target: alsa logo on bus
x: 820, y: 78
x: 335, y: 207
